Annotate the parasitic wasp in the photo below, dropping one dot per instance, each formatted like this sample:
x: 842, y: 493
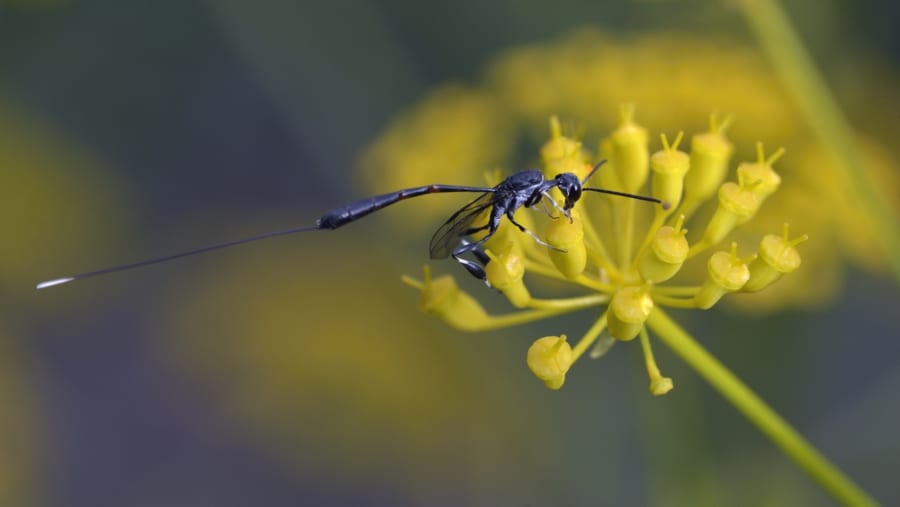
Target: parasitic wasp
x: 525, y: 188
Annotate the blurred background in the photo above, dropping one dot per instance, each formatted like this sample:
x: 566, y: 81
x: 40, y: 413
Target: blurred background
x: 299, y: 371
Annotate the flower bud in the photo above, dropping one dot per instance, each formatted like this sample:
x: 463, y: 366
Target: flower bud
x: 710, y: 154
x: 607, y: 177
x: 567, y: 236
x: 666, y: 253
x: 561, y: 154
x: 629, y: 308
x: 737, y: 203
x: 759, y: 174
x: 505, y: 273
x: 441, y: 297
x: 727, y: 273
x: 669, y: 166
x: 549, y: 358
x: 507, y: 233
x: 778, y: 255
x: 630, y: 152
x: 661, y: 385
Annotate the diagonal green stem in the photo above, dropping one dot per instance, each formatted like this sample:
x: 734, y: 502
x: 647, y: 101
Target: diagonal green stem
x: 807, y: 86
x: 838, y: 485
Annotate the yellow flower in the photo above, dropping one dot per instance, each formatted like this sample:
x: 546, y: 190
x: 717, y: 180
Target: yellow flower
x: 629, y: 266
x: 549, y: 358
x: 823, y: 207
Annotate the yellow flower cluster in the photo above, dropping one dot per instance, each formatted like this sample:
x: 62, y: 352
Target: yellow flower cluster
x: 624, y: 273
x: 677, y: 79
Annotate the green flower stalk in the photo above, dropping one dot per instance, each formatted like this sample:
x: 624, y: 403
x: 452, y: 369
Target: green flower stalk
x: 628, y: 291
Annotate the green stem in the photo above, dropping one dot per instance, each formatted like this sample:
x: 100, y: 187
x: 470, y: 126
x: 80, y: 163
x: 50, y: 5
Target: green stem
x: 589, y: 337
x: 596, y: 249
x: 518, y: 318
x: 675, y: 290
x: 538, y: 268
x: 626, y: 236
x: 774, y: 32
x: 674, y: 302
x: 841, y: 487
x: 491, y: 322
x: 575, y: 303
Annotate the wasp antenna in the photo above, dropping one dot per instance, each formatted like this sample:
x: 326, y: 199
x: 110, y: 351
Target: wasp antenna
x: 586, y: 178
x: 665, y: 205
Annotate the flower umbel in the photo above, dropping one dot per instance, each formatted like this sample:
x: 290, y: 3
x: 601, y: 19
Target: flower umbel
x: 634, y: 281
x: 629, y: 276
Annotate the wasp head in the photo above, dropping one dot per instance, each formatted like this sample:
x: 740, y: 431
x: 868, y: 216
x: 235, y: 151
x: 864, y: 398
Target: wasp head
x: 570, y: 186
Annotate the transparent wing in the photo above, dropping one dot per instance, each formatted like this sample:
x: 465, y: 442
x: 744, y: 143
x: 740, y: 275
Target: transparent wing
x: 446, y: 239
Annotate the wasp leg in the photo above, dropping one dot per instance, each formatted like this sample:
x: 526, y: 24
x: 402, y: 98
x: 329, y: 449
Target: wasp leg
x: 475, y: 269
x: 545, y: 210
x: 556, y: 205
x: 479, y: 253
x: 473, y: 230
x: 534, y: 236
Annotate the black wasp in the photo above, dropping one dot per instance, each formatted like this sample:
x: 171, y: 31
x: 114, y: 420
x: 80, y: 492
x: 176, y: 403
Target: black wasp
x: 523, y: 189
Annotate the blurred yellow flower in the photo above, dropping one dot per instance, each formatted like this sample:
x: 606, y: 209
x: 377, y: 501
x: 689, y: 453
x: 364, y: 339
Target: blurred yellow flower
x: 441, y: 140
x: 54, y: 208
x: 317, y: 362
x: 677, y: 79
x: 54, y: 205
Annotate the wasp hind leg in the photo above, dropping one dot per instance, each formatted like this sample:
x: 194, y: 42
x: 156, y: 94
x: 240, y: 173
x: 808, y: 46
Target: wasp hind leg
x: 474, y: 268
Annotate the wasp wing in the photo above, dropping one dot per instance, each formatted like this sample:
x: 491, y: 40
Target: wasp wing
x: 446, y: 239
